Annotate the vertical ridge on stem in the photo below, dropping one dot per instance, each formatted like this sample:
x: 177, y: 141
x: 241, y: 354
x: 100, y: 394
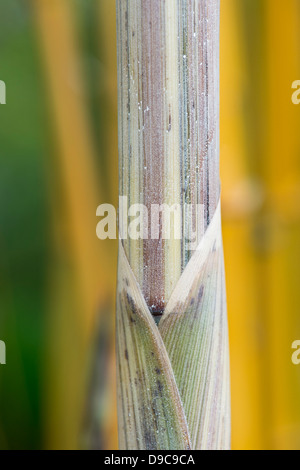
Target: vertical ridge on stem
x: 168, y: 68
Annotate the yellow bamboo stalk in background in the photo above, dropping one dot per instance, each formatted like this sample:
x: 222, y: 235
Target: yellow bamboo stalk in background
x: 86, y: 284
x: 82, y: 193
x: 108, y: 40
x: 261, y: 226
x: 282, y: 176
x: 241, y: 199
x: 253, y: 18
x: 107, y: 36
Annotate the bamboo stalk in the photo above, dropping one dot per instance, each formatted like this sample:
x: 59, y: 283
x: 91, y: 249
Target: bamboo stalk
x: 240, y: 202
x: 281, y: 255
x: 80, y: 284
x: 76, y: 156
x: 173, y: 378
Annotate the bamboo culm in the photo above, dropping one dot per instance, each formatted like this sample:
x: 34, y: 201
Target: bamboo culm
x: 172, y: 338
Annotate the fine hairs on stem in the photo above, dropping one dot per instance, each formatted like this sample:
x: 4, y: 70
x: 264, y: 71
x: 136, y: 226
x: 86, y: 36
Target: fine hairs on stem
x: 172, y: 338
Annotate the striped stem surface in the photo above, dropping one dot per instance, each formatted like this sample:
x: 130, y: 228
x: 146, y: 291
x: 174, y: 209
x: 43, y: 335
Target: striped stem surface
x: 173, y: 375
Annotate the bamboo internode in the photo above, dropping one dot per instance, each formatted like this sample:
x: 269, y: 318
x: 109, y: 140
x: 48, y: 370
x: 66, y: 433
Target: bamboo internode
x: 173, y: 378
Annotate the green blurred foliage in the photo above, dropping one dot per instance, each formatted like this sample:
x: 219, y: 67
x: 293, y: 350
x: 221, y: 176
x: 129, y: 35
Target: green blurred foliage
x: 24, y: 228
x: 31, y: 188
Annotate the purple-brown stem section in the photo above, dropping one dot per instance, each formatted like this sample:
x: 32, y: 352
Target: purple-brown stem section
x: 153, y: 70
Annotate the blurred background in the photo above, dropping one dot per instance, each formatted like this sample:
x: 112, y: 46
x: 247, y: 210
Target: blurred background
x: 59, y: 161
